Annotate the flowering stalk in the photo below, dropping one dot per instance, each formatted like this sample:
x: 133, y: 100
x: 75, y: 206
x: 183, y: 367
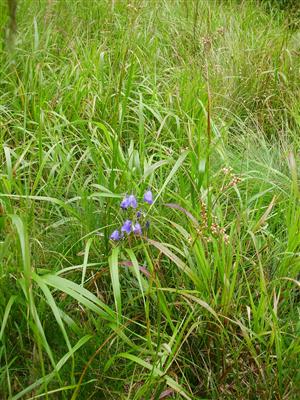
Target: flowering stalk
x: 132, y: 226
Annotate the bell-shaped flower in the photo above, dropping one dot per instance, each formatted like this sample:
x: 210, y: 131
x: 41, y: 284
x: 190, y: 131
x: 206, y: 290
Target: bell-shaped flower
x: 115, y: 235
x: 127, y: 226
x: 137, y: 229
x: 125, y: 203
x: 148, y: 198
x: 132, y: 201
x: 129, y: 201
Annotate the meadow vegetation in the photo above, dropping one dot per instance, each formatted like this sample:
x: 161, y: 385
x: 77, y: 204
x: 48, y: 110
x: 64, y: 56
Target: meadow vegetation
x: 197, y: 102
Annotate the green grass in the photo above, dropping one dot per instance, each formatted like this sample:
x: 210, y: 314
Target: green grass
x: 198, y: 101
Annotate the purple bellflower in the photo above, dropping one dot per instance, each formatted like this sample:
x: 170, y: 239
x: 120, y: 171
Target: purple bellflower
x: 115, y: 235
x: 129, y: 201
x: 125, y: 203
x: 132, y: 201
x: 137, y: 229
x: 127, y: 226
x: 148, y: 198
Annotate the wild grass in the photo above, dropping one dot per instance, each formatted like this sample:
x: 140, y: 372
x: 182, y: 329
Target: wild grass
x: 199, y: 102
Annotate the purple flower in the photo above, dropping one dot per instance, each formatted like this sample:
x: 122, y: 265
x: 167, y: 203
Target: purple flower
x: 115, y: 235
x: 139, y: 214
x: 129, y: 201
x: 148, y: 197
x: 132, y: 201
x: 147, y: 225
x: 125, y: 203
x: 127, y: 226
x: 137, y: 230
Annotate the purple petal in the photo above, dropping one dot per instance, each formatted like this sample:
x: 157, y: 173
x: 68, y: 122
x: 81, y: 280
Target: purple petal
x: 125, y: 203
x: 147, y: 224
x: 139, y: 214
x: 127, y: 226
x: 132, y: 201
x: 137, y: 229
x: 148, y: 198
x: 115, y: 235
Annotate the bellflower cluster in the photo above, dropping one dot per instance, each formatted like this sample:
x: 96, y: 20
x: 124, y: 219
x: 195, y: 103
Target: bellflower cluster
x: 132, y: 225
x: 129, y: 201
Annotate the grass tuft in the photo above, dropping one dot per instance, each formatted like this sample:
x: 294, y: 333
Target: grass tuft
x: 198, y: 103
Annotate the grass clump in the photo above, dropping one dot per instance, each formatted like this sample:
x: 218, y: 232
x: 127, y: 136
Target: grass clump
x: 196, y: 105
